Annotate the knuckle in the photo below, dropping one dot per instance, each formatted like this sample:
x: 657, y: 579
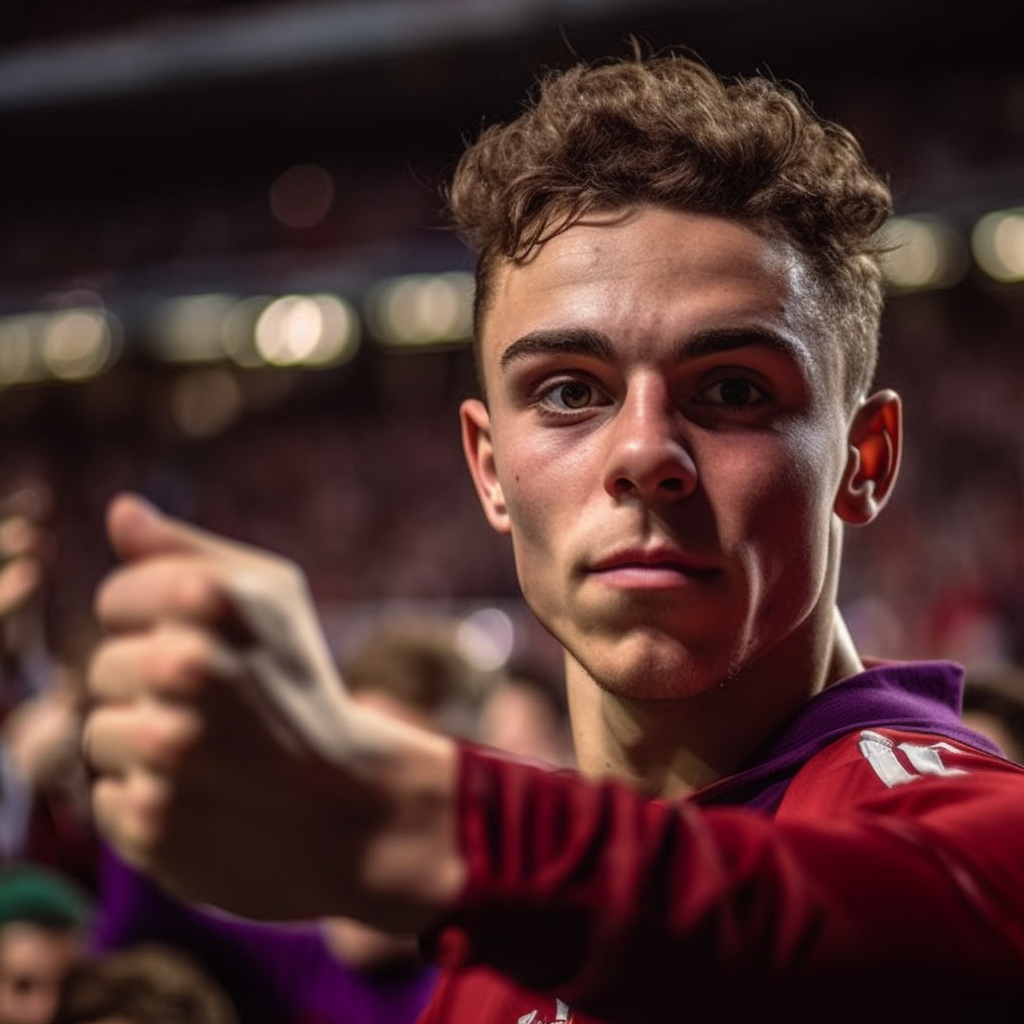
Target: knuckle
x: 182, y: 661
x: 167, y: 736
x: 144, y: 813
x: 286, y: 573
x: 200, y: 594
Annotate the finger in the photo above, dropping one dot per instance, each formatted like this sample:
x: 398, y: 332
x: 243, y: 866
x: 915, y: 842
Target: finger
x: 138, y: 529
x: 183, y: 587
x: 171, y: 662
x: 131, y: 813
x: 152, y: 736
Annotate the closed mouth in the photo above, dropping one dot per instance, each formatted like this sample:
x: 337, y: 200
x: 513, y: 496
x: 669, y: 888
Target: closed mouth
x: 654, y: 561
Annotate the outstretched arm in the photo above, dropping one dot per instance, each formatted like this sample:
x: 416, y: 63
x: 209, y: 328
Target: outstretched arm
x: 230, y: 762
x: 235, y: 769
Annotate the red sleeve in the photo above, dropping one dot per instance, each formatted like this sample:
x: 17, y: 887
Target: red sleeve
x: 624, y: 906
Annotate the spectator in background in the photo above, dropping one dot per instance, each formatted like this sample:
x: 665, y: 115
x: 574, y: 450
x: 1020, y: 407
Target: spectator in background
x: 524, y: 712
x: 411, y: 668
x: 994, y: 705
x: 26, y: 661
x: 44, y: 919
x: 149, y: 984
x: 44, y: 806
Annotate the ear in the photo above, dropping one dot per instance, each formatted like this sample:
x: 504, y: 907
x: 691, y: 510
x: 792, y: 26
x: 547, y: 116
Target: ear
x: 479, y: 451
x: 876, y: 440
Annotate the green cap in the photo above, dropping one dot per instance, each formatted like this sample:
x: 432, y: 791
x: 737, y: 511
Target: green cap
x: 38, y: 895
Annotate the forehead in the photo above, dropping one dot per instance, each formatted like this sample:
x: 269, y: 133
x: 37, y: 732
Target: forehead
x: 652, y: 277
x: 24, y: 942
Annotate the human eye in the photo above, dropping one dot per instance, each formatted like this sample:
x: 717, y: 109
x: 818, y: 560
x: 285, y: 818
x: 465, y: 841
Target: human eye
x: 732, y: 392
x: 568, y: 396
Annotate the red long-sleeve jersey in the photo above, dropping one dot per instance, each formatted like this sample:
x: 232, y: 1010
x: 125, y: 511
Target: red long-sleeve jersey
x: 888, y: 876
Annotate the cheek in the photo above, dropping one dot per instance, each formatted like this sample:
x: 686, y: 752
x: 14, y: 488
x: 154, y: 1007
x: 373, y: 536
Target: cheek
x: 798, y: 502
x: 543, y: 483
x: 545, y: 489
x: 811, y: 459
x: 782, y: 487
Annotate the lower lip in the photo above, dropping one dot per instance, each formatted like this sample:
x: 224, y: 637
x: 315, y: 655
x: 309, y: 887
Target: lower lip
x: 651, y: 577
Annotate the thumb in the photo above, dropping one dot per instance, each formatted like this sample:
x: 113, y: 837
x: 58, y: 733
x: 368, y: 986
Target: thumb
x: 137, y: 529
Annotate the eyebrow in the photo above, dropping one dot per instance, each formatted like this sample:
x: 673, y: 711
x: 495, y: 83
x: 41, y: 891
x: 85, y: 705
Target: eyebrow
x: 725, y: 339
x: 576, y: 341
x: 586, y: 342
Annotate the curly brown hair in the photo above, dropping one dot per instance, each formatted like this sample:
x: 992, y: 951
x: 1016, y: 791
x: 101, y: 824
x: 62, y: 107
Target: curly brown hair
x: 664, y: 129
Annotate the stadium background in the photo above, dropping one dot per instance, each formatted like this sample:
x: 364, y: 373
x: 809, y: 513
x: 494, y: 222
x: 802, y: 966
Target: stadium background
x: 225, y: 281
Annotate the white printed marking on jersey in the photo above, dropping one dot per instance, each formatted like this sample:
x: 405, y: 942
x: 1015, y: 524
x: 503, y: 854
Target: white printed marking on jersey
x: 562, y: 1015
x: 878, y: 752
x: 881, y: 754
x: 928, y: 761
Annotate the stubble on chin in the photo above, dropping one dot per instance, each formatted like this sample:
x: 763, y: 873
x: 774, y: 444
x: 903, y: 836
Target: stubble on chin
x: 646, y: 669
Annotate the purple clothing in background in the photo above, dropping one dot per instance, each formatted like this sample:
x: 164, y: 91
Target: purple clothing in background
x: 274, y: 974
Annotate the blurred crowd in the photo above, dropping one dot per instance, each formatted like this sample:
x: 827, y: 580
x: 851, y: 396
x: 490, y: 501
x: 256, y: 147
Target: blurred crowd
x: 361, y: 481
x: 941, y: 574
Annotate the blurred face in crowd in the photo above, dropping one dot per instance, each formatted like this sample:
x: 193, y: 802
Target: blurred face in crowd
x: 666, y: 442
x: 516, y: 717
x: 33, y: 963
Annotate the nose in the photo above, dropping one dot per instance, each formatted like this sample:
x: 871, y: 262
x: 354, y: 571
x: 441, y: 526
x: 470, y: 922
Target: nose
x: 648, y: 457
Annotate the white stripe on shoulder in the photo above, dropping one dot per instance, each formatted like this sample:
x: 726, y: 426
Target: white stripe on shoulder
x: 896, y: 765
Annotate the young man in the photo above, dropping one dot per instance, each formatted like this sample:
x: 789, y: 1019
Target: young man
x: 677, y: 312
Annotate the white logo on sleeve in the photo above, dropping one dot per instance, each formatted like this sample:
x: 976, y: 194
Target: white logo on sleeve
x: 896, y: 764
x: 562, y: 1015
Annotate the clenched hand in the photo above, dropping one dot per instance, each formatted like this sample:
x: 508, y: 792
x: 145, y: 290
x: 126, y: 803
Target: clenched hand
x: 229, y: 761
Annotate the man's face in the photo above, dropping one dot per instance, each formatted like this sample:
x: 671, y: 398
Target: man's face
x: 663, y: 441
x: 33, y: 964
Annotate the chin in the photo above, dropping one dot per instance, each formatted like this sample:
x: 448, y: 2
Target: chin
x: 636, y: 670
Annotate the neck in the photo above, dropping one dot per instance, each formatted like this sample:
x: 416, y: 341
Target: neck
x: 669, y: 748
